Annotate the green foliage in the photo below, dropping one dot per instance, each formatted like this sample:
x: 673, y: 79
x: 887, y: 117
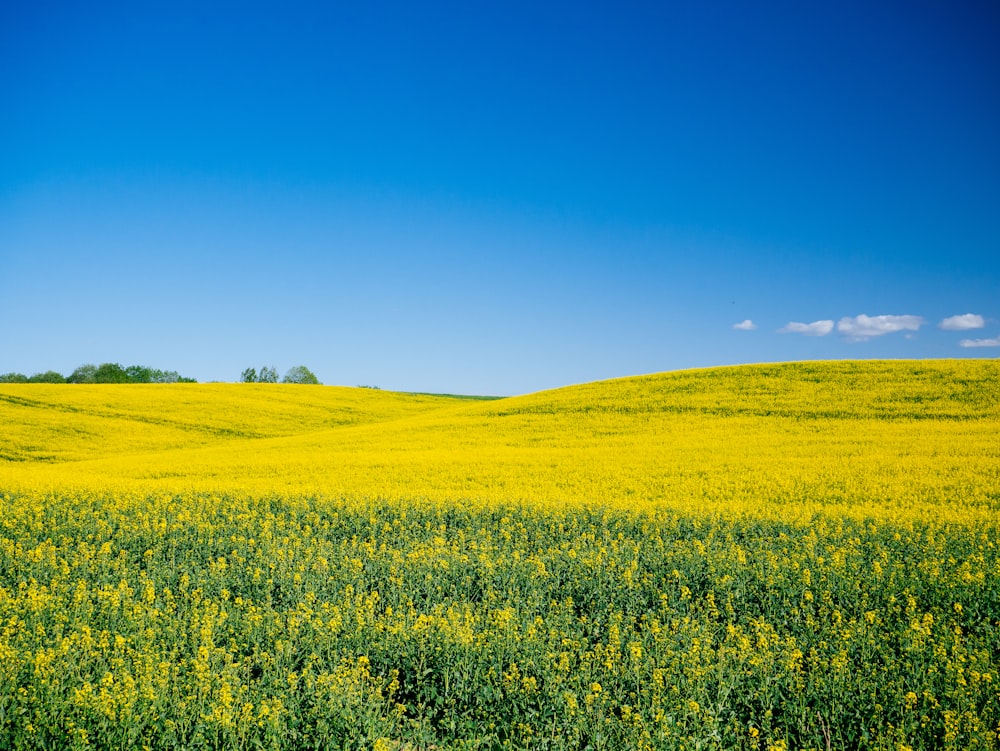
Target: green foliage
x: 300, y: 374
x: 142, y: 374
x: 13, y: 378
x: 247, y: 623
x: 268, y: 374
x: 264, y: 375
x: 49, y: 376
x: 83, y: 374
x: 110, y: 372
x: 139, y: 374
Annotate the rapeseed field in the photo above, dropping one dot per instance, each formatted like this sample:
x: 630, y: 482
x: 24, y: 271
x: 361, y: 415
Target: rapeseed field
x: 761, y: 557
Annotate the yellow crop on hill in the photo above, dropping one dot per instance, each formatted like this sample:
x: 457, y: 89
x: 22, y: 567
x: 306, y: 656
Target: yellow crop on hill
x: 63, y: 423
x: 876, y: 437
x: 760, y: 557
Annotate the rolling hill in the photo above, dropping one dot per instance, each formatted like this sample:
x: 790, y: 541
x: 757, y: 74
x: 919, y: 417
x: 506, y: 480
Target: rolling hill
x: 871, y: 435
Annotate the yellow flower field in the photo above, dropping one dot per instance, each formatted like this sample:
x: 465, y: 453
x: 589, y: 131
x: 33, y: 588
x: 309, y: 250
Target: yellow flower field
x: 774, y: 556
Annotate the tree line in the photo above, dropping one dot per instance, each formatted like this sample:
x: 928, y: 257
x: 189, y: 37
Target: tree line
x: 112, y: 372
x: 267, y: 374
x: 108, y: 372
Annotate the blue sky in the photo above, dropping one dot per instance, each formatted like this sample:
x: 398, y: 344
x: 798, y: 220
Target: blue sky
x: 496, y: 197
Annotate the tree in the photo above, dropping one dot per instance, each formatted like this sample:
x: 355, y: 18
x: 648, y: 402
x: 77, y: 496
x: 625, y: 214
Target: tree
x: 49, y: 376
x: 13, y: 378
x: 83, y: 374
x: 139, y: 374
x: 169, y: 376
x: 110, y: 372
x: 266, y: 375
x: 300, y: 374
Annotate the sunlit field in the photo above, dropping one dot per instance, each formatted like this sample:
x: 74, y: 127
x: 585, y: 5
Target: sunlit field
x: 759, y: 557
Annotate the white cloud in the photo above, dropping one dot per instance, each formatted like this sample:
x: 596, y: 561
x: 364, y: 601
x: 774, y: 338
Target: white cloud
x: 746, y: 325
x: 816, y: 328
x: 980, y: 342
x: 864, y: 327
x: 962, y: 323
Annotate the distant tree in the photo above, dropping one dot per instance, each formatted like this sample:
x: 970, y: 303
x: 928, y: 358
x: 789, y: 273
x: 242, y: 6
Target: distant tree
x: 49, y: 376
x: 13, y: 378
x: 83, y: 374
x: 169, y: 376
x: 110, y: 372
x: 300, y: 374
x: 139, y: 374
x: 264, y: 375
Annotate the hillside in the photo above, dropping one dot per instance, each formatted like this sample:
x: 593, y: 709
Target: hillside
x: 867, y: 436
x: 77, y: 422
